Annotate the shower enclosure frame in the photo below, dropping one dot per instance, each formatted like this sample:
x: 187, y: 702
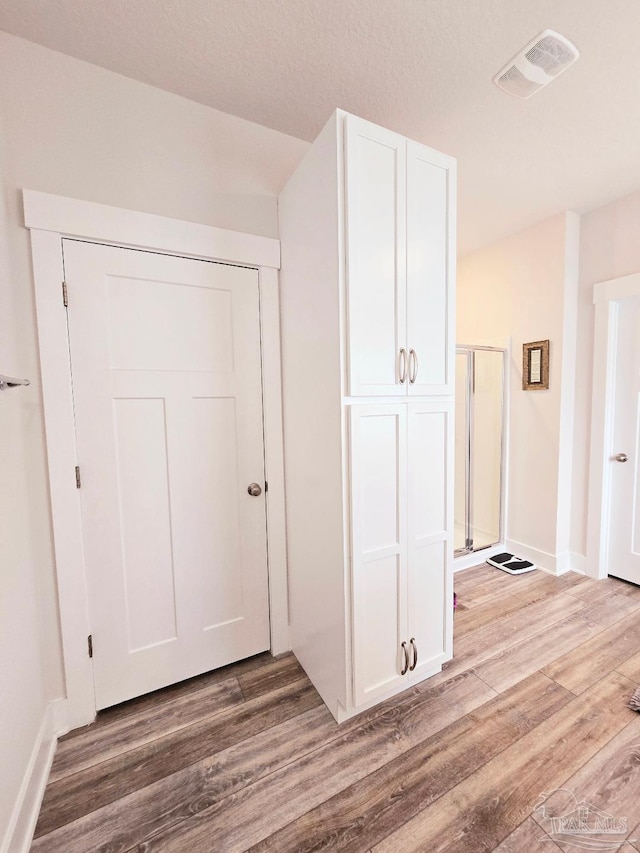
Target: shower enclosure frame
x: 469, y: 350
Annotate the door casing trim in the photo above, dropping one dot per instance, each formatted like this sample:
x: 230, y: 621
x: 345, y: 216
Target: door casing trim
x: 606, y: 298
x: 51, y: 218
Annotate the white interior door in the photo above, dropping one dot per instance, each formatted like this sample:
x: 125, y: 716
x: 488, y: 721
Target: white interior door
x: 165, y: 356
x: 376, y: 258
x: 379, y: 560
x: 624, y: 525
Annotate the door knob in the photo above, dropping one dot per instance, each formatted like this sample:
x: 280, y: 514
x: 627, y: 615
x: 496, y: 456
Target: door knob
x: 254, y: 490
x: 621, y: 457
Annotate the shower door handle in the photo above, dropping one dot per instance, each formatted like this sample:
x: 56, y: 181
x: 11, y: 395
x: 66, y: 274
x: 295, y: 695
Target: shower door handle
x: 413, y: 366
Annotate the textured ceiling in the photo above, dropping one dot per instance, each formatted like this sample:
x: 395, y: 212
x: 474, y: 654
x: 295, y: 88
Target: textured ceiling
x: 421, y: 67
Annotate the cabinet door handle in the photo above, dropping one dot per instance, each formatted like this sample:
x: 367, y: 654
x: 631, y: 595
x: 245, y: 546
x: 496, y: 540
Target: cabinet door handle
x: 402, y: 365
x: 415, y: 654
x: 405, y: 651
x: 413, y: 366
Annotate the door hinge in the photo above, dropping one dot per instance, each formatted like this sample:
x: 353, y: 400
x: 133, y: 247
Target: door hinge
x: 65, y: 295
x: 77, y: 477
x: 90, y: 645
x: 266, y: 487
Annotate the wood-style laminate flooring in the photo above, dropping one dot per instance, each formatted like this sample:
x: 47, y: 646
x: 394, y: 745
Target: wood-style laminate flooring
x: 248, y: 757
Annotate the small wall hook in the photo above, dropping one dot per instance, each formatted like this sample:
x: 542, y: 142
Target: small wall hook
x: 11, y: 382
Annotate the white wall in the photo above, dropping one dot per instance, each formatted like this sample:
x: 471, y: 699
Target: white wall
x: 77, y: 130
x: 519, y: 281
x: 23, y: 532
x: 609, y: 248
x: 521, y: 288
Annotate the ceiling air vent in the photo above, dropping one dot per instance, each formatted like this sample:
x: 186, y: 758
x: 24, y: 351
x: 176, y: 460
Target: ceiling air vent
x: 540, y: 62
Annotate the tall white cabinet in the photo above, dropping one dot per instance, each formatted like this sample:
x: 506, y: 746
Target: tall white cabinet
x: 367, y: 228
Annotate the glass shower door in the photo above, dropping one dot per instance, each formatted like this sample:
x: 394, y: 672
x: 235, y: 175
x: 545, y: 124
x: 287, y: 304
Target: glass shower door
x: 478, y: 448
x: 486, y: 447
x: 461, y: 490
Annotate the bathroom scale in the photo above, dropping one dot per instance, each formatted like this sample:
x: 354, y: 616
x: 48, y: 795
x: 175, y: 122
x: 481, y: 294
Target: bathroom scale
x: 511, y: 564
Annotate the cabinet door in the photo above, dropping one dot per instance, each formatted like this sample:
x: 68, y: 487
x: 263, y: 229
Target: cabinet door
x: 429, y: 542
x: 430, y: 270
x: 378, y: 531
x: 376, y: 258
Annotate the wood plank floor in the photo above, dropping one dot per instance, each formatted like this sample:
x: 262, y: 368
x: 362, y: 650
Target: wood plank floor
x: 533, y: 705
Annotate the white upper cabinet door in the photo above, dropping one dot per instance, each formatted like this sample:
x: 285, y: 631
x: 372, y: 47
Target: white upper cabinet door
x: 400, y: 252
x: 430, y: 270
x: 376, y: 259
x: 429, y: 544
x: 378, y: 508
x: 165, y: 356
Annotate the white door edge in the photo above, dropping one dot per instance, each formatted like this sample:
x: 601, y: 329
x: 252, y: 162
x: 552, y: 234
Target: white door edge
x: 606, y: 295
x: 49, y: 219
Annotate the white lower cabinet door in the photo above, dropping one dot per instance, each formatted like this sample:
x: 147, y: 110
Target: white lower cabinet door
x: 165, y: 356
x: 379, y: 564
x: 429, y: 585
x: 401, y: 507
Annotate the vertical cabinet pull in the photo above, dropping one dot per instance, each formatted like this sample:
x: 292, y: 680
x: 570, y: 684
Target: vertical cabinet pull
x: 413, y: 366
x: 405, y: 651
x: 402, y: 365
x: 410, y: 657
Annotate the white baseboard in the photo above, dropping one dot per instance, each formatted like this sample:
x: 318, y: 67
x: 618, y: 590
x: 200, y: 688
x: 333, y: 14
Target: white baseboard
x: 551, y: 563
x: 542, y: 559
x: 22, y: 825
x: 59, y: 717
x: 563, y: 563
x: 475, y: 558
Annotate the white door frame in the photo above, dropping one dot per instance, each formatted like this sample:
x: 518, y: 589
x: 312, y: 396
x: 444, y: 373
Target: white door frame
x: 50, y: 218
x: 606, y: 297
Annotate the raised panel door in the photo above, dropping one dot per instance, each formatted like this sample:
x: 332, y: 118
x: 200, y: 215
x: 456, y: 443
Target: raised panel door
x: 624, y: 525
x: 430, y: 273
x: 165, y: 356
x: 376, y: 259
x: 429, y: 532
x: 378, y: 519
